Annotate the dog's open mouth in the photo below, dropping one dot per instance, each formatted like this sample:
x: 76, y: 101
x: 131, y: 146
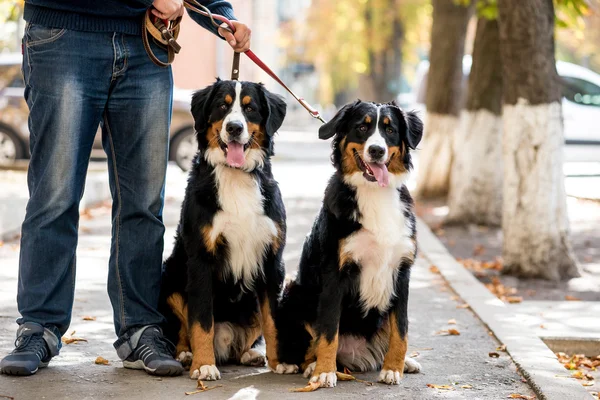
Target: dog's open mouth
x: 235, y: 151
x: 373, y: 172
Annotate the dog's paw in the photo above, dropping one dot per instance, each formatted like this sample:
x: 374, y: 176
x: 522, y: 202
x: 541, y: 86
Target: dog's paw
x: 206, y: 373
x: 253, y: 358
x: 411, y: 366
x: 325, y: 379
x: 286, y: 369
x: 310, y: 369
x: 185, y: 358
x: 390, y: 377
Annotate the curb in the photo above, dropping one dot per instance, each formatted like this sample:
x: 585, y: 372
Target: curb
x: 534, y: 360
x: 12, y: 208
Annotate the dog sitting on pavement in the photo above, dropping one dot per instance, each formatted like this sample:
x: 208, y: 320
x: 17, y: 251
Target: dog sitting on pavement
x: 221, y: 283
x: 347, y: 306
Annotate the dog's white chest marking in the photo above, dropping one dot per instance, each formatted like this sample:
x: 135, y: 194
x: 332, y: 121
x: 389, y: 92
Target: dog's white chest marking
x: 242, y: 222
x: 378, y: 247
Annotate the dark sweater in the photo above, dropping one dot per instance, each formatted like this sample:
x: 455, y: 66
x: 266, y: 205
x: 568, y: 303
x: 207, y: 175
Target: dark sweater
x: 123, y: 16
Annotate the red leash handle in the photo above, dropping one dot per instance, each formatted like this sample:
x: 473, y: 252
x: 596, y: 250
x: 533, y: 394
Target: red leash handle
x: 202, y: 10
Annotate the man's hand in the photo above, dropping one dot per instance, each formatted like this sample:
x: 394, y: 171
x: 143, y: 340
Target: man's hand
x: 168, y: 9
x: 239, y: 42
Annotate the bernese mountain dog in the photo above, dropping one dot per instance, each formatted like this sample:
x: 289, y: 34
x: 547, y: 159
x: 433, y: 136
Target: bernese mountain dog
x: 223, y: 280
x: 347, y: 306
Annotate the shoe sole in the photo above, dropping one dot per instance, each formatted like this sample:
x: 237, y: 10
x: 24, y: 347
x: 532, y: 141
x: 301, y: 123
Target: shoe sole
x: 22, y: 371
x: 166, y: 370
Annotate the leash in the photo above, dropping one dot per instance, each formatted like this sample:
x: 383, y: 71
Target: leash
x: 165, y: 34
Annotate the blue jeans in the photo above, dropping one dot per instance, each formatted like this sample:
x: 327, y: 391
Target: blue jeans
x: 76, y: 81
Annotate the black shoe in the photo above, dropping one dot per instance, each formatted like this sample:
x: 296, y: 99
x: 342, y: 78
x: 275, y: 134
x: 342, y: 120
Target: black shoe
x: 154, y: 353
x: 31, y: 352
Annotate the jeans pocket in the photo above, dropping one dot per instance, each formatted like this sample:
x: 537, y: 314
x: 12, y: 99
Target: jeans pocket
x: 36, y: 35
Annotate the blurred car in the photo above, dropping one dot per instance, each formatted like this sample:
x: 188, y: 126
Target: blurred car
x: 580, y: 103
x: 14, y: 131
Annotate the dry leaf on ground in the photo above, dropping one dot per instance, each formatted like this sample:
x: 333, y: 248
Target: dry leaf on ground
x: 448, y: 332
x: 462, y: 306
x: 202, y: 388
x: 434, y: 270
x: 572, y: 298
x: 101, y: 361
x: 588, y: 383
x: 493, y: 354
x: 466, y: 387
x: 520, y: 396
x: 501, y: 348
x: 88, y: 318
x: 72, y: 339
x: 310, y: 387
x: 478, y: 250
x: 452, y: 321
x: 514, y: 299
x: 441, y: 387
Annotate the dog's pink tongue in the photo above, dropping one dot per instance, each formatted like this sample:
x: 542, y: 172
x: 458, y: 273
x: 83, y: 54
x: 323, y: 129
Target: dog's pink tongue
x: 235, y: 154
x: 381, y: 173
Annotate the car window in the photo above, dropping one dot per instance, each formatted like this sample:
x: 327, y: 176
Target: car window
x: 581, y: 91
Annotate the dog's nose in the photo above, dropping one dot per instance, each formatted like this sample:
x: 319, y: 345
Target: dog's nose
x: 234, y: 128
x: 376, y: 152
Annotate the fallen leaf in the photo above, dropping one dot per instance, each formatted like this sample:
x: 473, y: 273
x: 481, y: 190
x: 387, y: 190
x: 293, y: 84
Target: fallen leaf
x: 520, y: 396
x: 101, y: 361
x: 88, y: 318
x: 414, y: 354
x: 462, y: 306
x: 434, y: 270
x: 441, y: 387
x: 452, y: 321
x: 448, y: 332
x: 493, y: 354
x: 69, y: 340
x: 501, y: 348
x: 514, y: 299
x: 202, y: 388
x: 582, y: 375
x: 72, y: 333
x: 466, y: 387
x: 542, y: 326
x: 311, y: 387
x: 572, y: 298
x: 478, y: 250
x: 347, y: 376
x: 588, y: 383
x: 455, y: 298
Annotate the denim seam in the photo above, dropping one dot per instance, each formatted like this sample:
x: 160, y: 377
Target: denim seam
x: 125, y: 54
x: 112, y: 77
x: 49, y: 40
x: 122, y: 315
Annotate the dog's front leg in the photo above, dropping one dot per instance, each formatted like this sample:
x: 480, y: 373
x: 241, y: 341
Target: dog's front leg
x: 395, y: 362
x: 274, y: 275
x: 200, y: 319
x: 326, y: 328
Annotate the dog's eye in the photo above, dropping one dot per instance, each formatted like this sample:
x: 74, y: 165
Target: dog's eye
x: 249, y: 109
x: 223, y: 107
x: 389, y: 130
x: 362, y: 128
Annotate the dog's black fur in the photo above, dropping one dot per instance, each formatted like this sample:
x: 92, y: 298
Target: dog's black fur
x: 201, y: 297
x: 323, y: 306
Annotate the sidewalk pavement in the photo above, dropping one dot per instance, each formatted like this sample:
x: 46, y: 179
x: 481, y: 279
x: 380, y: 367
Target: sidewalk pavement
x: 460, y: 361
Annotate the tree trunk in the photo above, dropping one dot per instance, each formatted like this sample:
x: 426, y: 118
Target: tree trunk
x: 382, y: 82
x: 476, y: 181
x: 534, y: 218
x: 443, y: 96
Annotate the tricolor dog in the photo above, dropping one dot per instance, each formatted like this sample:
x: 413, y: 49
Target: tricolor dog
x: 348, y: 304
x: 223, y: 279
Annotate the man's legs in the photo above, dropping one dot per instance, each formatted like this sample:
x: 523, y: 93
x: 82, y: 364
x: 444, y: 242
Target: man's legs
x: 66, y: 91
x: 136, y: 140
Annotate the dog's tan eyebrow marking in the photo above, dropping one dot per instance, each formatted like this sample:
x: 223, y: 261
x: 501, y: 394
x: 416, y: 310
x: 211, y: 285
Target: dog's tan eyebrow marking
x: 246, y: 100
x: 386, y: 120
x: 228, y: 99
x: 368, y: 119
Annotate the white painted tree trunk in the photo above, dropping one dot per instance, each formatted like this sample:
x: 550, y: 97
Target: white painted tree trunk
x: 435, y: 158
x: 475, y: 194
x: 535, y: 221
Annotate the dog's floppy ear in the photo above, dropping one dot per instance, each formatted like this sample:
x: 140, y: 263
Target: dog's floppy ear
x: 329, y: 129
x: 276, y: 109
x: 201, y: 107
x: 414, y: 125
x: 414, y: 131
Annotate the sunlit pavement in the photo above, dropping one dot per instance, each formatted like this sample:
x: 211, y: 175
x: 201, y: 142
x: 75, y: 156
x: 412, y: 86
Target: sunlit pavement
x: 459, y: 361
